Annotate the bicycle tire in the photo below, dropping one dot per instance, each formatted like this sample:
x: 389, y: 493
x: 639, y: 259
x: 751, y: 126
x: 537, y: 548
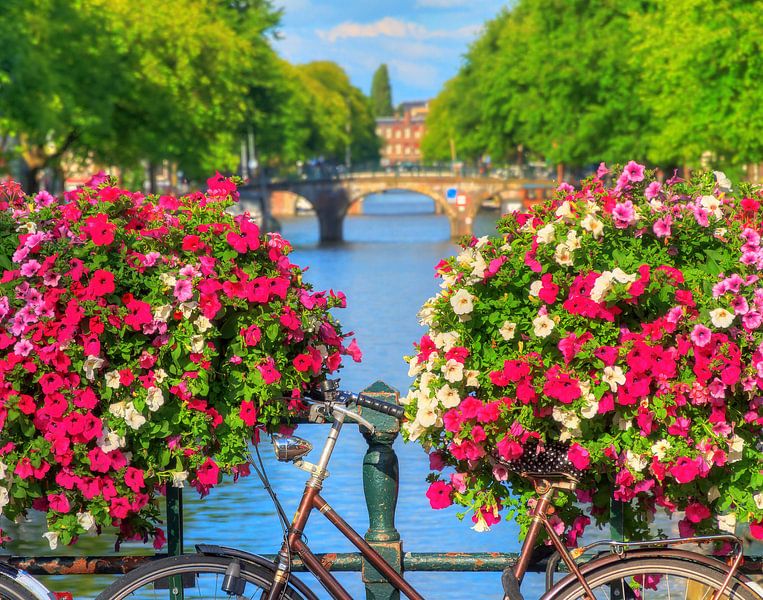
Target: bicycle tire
x: 10, y: 590
x: 690, y: 580
x: 139, y: 583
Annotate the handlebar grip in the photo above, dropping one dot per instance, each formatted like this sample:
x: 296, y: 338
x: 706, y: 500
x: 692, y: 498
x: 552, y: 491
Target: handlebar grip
x: 383, y: 407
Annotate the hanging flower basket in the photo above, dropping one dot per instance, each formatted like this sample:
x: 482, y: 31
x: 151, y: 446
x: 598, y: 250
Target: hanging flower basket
x: 143, y: 342
x: 623, y: 322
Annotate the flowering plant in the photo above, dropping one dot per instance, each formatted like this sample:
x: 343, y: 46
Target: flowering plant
x: 144, y: 342
x: 622, y: 321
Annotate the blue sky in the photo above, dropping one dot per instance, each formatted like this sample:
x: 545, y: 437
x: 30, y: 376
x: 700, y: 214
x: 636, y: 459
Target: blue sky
x: 422, y: 41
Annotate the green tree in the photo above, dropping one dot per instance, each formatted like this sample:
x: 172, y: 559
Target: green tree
x: 381, y: 92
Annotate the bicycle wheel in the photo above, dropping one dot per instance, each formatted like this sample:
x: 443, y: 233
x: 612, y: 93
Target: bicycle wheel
x: 10, y: 590
x: 202, y: 578
x: 656, y: 579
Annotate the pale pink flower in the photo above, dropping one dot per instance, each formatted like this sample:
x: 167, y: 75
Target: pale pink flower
x: 29, y: 268
x: 150, y: 259
x: 23, y: 348
x: 661, y: 226
x: 602, y: 170
x: 183, y: 290
x: 752, y: 319
x: 740, y: 306
x: 653, y: 190
x: 624, y: 214
x: 701, y: 335
x: 634, y: 171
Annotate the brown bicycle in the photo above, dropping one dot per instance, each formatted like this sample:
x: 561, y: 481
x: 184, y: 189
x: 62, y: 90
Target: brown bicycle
x: 653, y: 570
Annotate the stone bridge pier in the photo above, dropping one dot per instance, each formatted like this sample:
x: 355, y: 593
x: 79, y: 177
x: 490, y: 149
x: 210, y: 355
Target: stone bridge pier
x: 333, y: 199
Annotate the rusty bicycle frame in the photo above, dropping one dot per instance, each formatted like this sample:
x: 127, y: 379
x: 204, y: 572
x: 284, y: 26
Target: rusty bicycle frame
x: 546, y: 485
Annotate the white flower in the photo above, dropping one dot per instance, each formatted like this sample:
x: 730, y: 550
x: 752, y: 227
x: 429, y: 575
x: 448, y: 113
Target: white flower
x: 426, y: 314
x: 466, y: 257
x: 721, y: 317
x: 542, y: 326
x: 132, y: 417
x: 590, y: 409
x: 162, y: 313
x: 187, y: 308
x: 118, y: 409
x: 52, y: 537
x: 563, y: 255
x: 154, y: 398
x: 479, y: 268
x: 91, y: 365
x: 622, y: 277
x: 3, y: 469
x: 462, y: 302
x: 453, y: 371
x: 86, y: 521
x: 4, y: 498
x: 660, y: 449
x: 448, y: 397
x: 724, y: 183
x: 736, y: 448
x: 426, y: 416
x: 112, y: 379
x: 425, y: 380
x: 481, y: 526
x: 613, y: 377
x: 508, y: 330
x: 413, y: 429
x: 160, y: 375
x: 727, y: 522
x: 168, y: 280
x: 535, y: 288
x: 414, y: 367
x: 592, y: 224
x: 445, y: 341
x: 202, y: 323
x: 179, y: 478
x: 601, y: 286
x: 758, y: 498
x: 711, y: 204
x: 482, y: 241
x: 197, y: 344
x: 471, y: 378
x: 545, y: 234
x: 635, y: 462
x: 564, y: 211
x: 109, y: 440
x: 573, y: 242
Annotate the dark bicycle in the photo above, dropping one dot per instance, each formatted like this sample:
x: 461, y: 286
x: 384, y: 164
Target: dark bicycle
x: 654, y: 570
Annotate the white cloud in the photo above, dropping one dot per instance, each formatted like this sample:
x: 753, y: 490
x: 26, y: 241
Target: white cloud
x: 395, y: 28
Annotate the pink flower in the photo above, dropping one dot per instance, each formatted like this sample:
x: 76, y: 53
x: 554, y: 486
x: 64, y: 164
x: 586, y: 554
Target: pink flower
x: 59, y: 503
x: 634, y: 172
x: 436, y: 462
x: 624, y: 214
x: 579, y: 456
x: 653, y: 190
x: 701, y: 336
x: 23, y: 348
x: 602, y: 170
x: 354, y: 351
x: 183, y: 290
x: 439, y: 494
x: 752, y: 319
x: 208, y: 473
x: 696, y: 512
x: 685, y: 470
x: 268, y: 371
x: 661, y: 227
x: 29, y: 268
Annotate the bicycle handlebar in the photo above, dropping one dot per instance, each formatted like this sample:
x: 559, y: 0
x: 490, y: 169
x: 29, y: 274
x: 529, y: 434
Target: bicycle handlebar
x: 387, y: 408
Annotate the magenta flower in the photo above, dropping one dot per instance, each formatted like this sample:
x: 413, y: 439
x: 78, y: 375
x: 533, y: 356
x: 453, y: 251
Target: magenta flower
x: 661, y: 226
x: 752, y: 319
x: 602, y: 170
x: 634, y: 172
x: 29, y: 268
x: 439, y: 495
x: 653, y: 190
x: 183, y: 290
x: 701, y: 335
x: 624, y: 214
x: 740, y: 306
x: 23, y: 348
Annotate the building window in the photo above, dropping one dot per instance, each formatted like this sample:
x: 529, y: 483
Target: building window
x: 397, y: 134
x: 397, y: 148
x: 378, y: 131
x: 407, y: 150
x: 417, y: 133
x: 407, y: 133
x: 388, y: 133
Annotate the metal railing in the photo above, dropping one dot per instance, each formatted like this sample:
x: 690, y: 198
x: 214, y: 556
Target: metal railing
x: 380, y: 486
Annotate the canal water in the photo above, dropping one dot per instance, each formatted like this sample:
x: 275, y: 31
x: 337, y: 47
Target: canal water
x: 385, y: 267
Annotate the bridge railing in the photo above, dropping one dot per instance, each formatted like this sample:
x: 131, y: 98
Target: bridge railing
x: 323, y: 172
x: 380, y: 486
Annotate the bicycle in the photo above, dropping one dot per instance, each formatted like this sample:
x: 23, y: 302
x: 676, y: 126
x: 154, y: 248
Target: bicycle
x: 16, y: 584
x: 628, y: 571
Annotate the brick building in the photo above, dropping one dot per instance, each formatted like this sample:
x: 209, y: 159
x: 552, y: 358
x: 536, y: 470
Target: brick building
x: 401, y: 135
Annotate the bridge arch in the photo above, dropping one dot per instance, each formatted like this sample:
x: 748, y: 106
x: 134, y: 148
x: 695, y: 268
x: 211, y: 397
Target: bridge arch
x: 439, y: 201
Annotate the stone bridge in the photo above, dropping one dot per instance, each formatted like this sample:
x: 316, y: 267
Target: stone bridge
x: 334, y: 198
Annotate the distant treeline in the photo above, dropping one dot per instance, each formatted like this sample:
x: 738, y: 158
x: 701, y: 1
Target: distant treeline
x: 667, y: 82
x: 131, y: 82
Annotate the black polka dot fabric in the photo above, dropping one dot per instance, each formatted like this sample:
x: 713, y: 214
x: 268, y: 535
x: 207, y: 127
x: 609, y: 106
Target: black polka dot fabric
x: 544, y: 459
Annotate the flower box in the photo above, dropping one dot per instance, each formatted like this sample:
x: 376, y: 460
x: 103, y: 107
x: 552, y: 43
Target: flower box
x: 144, y: 341
x: 622, y: 320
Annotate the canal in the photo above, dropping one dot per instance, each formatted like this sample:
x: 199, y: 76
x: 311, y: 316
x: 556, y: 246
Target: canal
x: 385, y: 267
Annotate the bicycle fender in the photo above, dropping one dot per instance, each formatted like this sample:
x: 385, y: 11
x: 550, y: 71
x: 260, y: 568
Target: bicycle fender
x: 25, y: 580
x: 254, y: 559
x: 609, y: 559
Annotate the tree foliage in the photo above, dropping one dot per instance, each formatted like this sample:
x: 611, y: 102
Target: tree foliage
x: 123, y: 82
x: 578, y: 82
x: 381, y: 93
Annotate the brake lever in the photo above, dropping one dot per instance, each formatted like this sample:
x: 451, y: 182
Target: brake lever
x: 353, y: 416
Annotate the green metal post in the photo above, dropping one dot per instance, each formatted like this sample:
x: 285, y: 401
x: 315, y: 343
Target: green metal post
x: 617, y: 533
x: 380, y: 485
x: 175, y: 537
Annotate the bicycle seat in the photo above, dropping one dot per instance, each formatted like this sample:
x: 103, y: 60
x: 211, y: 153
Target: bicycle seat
x: 546, y: 462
